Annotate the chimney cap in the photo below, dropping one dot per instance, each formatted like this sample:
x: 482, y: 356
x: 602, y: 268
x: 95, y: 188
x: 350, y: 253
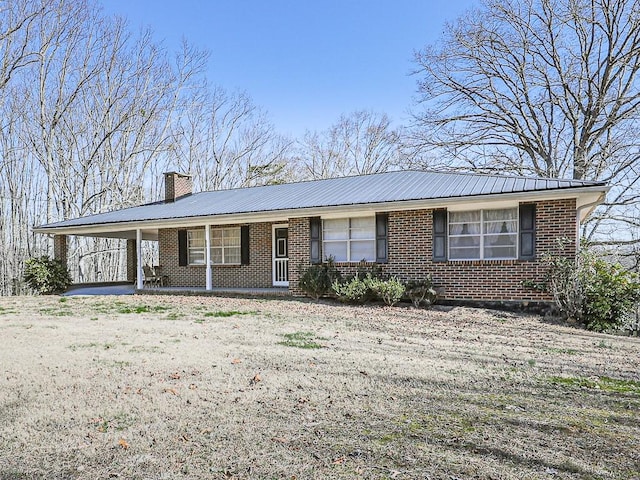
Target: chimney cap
x: 178, y: 174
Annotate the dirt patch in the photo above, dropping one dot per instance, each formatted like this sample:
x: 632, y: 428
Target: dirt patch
x: 149, y: 387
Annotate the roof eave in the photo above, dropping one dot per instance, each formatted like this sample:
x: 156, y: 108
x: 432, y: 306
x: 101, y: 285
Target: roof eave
x: 584, y: 195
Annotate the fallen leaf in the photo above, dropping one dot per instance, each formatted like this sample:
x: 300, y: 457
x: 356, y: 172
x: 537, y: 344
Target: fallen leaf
x: 123, y: 443
x: 171, y: 390
x: 174, y: 376
x: 256, y: 378
x: 193, y: 386
x: 235, y: 361
x: 339, y: 461
x: 279, y: 439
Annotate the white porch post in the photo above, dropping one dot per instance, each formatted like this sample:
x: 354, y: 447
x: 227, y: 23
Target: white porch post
x: 139, y: 279
x: 207, y: 254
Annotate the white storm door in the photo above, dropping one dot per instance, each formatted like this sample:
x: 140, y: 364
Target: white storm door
x: 280, y: 237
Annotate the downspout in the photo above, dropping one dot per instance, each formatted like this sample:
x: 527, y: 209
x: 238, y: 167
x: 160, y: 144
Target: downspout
x: 579, y: 210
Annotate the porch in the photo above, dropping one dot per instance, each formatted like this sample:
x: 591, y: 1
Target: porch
x: 217, y: 291
x: 120, y: 288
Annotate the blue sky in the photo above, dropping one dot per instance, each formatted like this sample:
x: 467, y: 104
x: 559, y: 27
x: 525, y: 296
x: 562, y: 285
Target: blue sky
x: 305, y: 62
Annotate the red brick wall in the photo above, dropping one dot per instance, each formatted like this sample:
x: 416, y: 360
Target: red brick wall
x: 132, y: 260
x: 410, y: 257
x: 258, y: 274
x: 60, y: 249
x: 299, y: 250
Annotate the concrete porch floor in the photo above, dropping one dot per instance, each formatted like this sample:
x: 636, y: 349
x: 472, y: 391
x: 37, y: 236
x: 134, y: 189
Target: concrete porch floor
x: 129, y: 289
x: 249, y: 292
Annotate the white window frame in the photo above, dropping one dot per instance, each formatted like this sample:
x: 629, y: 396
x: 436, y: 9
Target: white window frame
x: 483, y: 234
x: 349, y: 240
x: 224, y: 248
x: 191, y: 248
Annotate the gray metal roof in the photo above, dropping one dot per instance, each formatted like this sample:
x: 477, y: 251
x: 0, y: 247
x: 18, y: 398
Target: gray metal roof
x: 357, y: 190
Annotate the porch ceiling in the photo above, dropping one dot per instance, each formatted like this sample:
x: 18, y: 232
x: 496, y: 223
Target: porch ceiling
x: 147, y: 234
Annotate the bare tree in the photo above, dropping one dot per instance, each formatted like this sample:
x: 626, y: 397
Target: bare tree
x: 359, y: 143
x: 543, y: 87
x: 18, y: 20
x: 87, y: 118
x: 226, y: 141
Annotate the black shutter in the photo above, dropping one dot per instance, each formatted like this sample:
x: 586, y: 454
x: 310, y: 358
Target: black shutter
x: 382, y: 220
x: 315, y: 226
x: 439, y: 235
x: 527, y: 234
x: 183, y: 258
x: 244, y: 245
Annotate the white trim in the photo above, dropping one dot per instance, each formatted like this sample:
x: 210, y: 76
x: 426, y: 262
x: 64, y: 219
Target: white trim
x: 208, y: 228
x: 139, y: 277
x: 583, y: 195
x: 349, y: 240
x: 207, y: 255
x: 274, y: 260
x: 483, y: 234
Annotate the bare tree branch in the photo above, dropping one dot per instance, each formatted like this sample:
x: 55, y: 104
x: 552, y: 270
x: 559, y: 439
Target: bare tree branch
x: 542, y: 87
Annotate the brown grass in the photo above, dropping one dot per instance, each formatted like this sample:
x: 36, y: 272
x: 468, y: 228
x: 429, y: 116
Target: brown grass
x: 214, y: 388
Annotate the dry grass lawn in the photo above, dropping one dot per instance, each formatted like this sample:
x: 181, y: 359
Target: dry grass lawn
x: 165, y: 387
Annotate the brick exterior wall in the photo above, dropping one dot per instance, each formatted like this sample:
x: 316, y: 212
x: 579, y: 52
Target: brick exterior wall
x: 60, y: 248
x: 132, y: 260
x: 409, y: 257
x: 258, y: 274
x: 299, y: 251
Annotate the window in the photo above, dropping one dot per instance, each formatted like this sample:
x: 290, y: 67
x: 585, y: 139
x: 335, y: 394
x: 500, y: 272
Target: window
x: 195, y: 247
x: 225, y: 246
x: 349, y: 239
x: 483, y: 234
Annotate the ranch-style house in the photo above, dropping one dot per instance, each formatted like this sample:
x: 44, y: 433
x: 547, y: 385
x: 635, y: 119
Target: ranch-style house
x: 480, y: 237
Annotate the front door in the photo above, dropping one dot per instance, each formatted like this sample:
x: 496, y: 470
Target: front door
x: 280, y: 256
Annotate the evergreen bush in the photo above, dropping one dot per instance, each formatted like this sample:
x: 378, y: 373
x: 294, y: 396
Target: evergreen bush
x: 46, y: 276
x: 354, y: 290
x: 420, y: 292
x: 315, y: 281
x: 389, y: 291
x: 593, y: 291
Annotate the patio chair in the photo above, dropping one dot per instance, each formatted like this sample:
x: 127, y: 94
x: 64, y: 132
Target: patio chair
x: 163, y: 280
x: 150, y: 277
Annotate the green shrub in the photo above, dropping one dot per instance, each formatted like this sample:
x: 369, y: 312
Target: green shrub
x: 355, y: 290
x: 593, y: 291
x: 315, y: 281
x: 420, y: 292
x: 362, y: 289
x: 46, y: 276
x: 610, y: 293
x: 389, y: 291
